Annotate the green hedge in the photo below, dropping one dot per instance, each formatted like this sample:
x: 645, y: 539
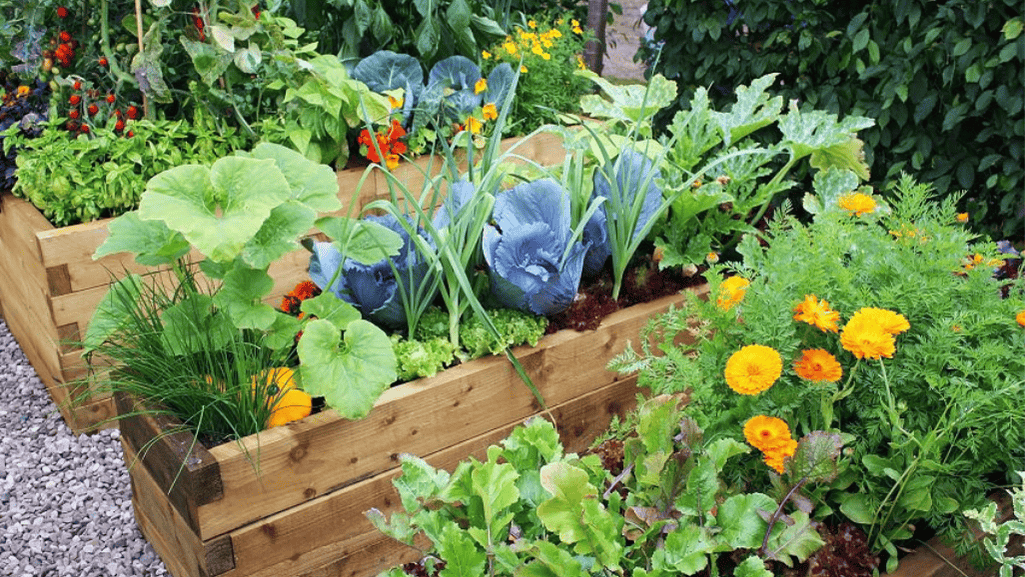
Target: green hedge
x: 943, y: 79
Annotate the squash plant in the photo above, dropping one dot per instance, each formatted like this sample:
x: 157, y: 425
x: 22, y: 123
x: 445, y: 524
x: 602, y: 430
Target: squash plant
x: 241, y: 214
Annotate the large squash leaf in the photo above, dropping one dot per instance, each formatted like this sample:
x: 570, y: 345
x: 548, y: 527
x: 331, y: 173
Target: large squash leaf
x: 151, y: 241
x: 350, y: 373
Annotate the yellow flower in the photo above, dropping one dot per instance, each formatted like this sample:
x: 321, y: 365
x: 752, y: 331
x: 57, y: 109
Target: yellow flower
x: 775, y: 457
x: 395, y: 103
x: 818, y: 365
x: 23, y: 90
x: 1020, y: 317
x: 532, y: 23
x: 753, y: 369
x: 473, y: 124
x: 580, y: 63
x: 890, y: 322
x: 485, y: 54
x: 817, y: 313
x: 712, y: 257
x: 537, y: 49
x: 554, y: 33
x: 546, y: 56
x: 731, y: 292
x: 764, y: 433
x: 523, y: 69
x: 480, y: 86
x: 490, y: 111
x: 510, y: 47
x: 576, y: 27
x: 962, y: 217
x: 391, y: 161
x: 857, y: 203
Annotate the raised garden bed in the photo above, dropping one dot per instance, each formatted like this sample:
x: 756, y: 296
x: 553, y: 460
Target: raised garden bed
x: 50, y: 285
x: 302, y: 512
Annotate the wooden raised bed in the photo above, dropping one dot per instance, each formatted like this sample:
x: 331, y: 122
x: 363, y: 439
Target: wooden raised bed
x: 302, y: 514
x: 50, y: 285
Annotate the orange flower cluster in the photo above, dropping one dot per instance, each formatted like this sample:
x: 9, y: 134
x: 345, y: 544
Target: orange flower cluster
x: 291, y: 302
x: 388, y: 142
x: 771, y: 436
x: 871, y: 333
x: 731, y: 292
x: 817, y: 313
x: 753, y: 369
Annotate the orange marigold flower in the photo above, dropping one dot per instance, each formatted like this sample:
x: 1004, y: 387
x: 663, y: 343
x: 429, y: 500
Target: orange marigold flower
x: 731, y: 292
x: 866, y: 341
x: 890, y: 322
x: 817, y: 313
x: 1020, y: 317
x: 490, y: 111
x: 857, y: 203
x: 818, y: 365
x: 304, y: 290
x: 774, y: 458
x: 765, y: 433
x: 962, y: 217
x: 473, y: 124
x: 753, y: 369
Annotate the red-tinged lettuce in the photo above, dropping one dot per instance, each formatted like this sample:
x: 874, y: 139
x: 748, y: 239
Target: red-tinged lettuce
x: 534, y: 257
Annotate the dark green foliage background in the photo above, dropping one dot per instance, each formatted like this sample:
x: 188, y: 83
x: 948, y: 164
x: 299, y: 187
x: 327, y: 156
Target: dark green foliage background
x: 941, y: 79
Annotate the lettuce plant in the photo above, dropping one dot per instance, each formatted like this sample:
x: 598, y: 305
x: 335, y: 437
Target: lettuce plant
x: 242, y: 213
x: 534, y: 258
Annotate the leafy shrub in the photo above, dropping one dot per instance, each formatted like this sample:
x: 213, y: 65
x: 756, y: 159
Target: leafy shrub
x: 943, y: 80
x: 927, y: 419
x: 75, y: 178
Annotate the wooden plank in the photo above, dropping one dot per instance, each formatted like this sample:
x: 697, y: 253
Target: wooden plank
x: 178, y: 546
x: 316, y: 455
x: 181, y: 467
x: 298, y: 538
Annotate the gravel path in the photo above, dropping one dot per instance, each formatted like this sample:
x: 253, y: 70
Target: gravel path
x: 65, y: 501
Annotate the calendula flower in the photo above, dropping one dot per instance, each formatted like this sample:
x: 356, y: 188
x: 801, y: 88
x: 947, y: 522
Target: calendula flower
x: 890, y: 322
x: 712, y: 257
x: 753, y: 369
x: 867, y: 341
x: 490, y: 111
x: 774, y: 458
x: 395, y: 103
x: 962, y: 217
x: 731, y: 292
x: 764, y: 432
x: 818, y: 365
x: 1020, y: 317
x: 480, y: 86
x: 473, y: 124
x: 857, y: 203
x: 817, y: 313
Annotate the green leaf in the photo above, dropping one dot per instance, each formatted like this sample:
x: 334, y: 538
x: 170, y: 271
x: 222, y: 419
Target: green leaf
x: 961, y: 47
x: 458, y: 15
x: 279, y: 233
x: 848, y: 155
x: 151, y: 241
x: 753, y: 566
x: 741, y: 521
x: 217, y: 209
x: 248, y: 59
x: 361, y: 240
x: 282, y: 332
x: 796, y: 538
x: 753, y: 110
x: 860, y: 40
x: 329, y: 307
x: 210, y: 63
x: 630, y: 103
x: 924, y: 107
x: 562, y: 513
x: 311, y: 183
x: 495, y: 484
x: 191, y: 326
x: 816, y: 457
x: 858, y: 508
x: 460, y: 552
x: 419, y: 482
x: 113, y: 312
x: 808, y: 132
x: 1012, y: 28
x: 686, y: 550
x: 350, y: 374
x: 241, y: 296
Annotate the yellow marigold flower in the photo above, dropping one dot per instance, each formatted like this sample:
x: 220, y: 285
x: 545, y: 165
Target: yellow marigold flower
x: 1020, y: 317
x: 774, y: 458
x: 731, y: 292
x: 473, y: 124
x: 480, y: 86
x: 510, y: 47
x: 560, y: 21
x: 962, y: 217
x: 546, y: 42
x: 490, y: 111
x: 485, y: 54
x: 857, y: 203
x: 554, y: 33
x: 817, y: 313
x: 867, y: 342
x: 818, y: 365
x: 532, y: 23
x: 546, y: 56
x: 753, y: 369
x: 523, y: 69
x: 580, y: 63
x: 766, y: 433
x: 890, y: 322
x: 537, y: 49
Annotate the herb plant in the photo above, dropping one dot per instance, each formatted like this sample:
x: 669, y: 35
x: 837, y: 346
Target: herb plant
x: 999, y: 534
x: 879, y: 320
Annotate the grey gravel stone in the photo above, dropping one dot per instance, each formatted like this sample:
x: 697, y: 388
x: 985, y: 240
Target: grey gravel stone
x: 65, y: 500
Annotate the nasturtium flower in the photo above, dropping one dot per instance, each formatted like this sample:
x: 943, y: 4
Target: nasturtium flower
x: 818, y: 365
x: 753, y: 369
x: 395, y: 103
x: 731, y: 292
x: 817, y: 313
x: 524, y: 249
x: 857, y: 203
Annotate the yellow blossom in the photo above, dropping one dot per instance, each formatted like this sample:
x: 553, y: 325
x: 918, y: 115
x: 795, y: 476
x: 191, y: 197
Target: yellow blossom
x: 523, y: 69
x: 857, y: 203
x: 753, y: 369
x: 536, y: 49
x: 392, y: 161
x: 23, y: 90
x: 510, y: 47
x: 817, y: 313
x: 962, y: 217
x: 395, y: 103
x: 731, y: 292
x: 554, y: 33
x: 869, y: 334
x: 473, y: 124
x: 771, y: 436
x: 532, y: 23
x: 1020, y: 318
x: 818, y: 365
x: 485, y: 54
x: 480, y: 86
x: 490, y: 111
x: 712, y: 257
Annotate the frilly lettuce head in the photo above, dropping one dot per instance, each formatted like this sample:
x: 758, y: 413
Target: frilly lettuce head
x: 371, y: 288
x: 634, y: 174
x: 526, y: 249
